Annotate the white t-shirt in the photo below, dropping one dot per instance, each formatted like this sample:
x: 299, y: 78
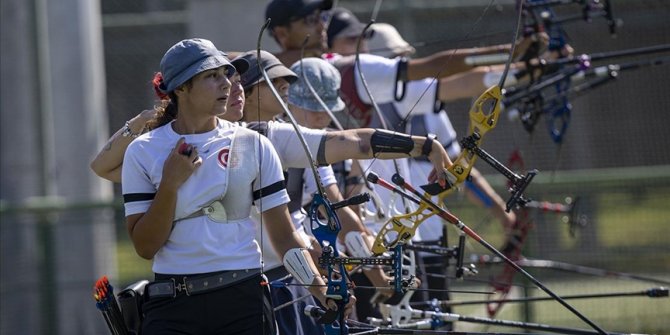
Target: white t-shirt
x: 231, y: 171
x: 380, y: 74
x: 288, y: 146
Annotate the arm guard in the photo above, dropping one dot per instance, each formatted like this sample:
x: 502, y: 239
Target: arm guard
x: 387, y: 141
x: 356, y: 245
x: 296, y: 263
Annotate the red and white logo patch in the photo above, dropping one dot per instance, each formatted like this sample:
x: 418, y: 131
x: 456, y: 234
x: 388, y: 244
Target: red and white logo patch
x: 223, y: 157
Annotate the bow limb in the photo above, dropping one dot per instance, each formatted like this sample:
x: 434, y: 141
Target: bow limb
x: 400, y: 229
x: 373, y: 102
x: 484, y: 115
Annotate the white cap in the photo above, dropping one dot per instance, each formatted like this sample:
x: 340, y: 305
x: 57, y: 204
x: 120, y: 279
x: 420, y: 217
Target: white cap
x: 386, y: 41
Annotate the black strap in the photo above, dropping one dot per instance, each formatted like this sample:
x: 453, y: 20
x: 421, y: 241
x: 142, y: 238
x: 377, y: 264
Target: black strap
x: 401, y: 80
x: 428, y: 145
x: 294, y: 188
x: 260, y: 127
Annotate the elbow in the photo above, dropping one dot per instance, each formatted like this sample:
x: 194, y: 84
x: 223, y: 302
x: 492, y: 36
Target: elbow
x: 145, y: 252
x: 96, y: 168
x: 145, y: 249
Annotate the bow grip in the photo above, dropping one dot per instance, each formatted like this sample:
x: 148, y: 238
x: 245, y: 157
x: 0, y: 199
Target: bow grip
x: 324, y: 232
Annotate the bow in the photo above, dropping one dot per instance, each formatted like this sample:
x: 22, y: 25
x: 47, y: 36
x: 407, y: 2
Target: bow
x: 575, y: 77
x: 540, y: 17
x: 324, y: 232
x: 418, y: 198
x: 552, y: 84
x: 373, y: 102
x: 483, y: 117
x: 379, y: 213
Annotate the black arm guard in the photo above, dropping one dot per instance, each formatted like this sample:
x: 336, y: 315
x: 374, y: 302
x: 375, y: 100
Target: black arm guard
x: 388, y: 141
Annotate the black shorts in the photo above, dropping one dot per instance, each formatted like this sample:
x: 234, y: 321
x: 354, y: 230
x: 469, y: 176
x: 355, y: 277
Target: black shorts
x: 240, y: 309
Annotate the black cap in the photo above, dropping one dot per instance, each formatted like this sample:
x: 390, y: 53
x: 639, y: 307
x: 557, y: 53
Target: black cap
x: 343, y: 23
x: 269, y: 62
x: 283, y: 11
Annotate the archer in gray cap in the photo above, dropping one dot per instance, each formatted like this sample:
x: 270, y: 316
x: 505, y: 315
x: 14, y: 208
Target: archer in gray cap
x: 257, y: 107
x: 196, y: 159
x: 189, y: 57
x: 325, y: 80
x: 269, y: 62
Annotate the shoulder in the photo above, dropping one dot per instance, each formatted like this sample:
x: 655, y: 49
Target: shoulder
x: 155, y: 136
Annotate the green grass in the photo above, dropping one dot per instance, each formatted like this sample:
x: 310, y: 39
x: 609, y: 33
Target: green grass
x: 625, y: 314
x: 131, y: 266
x: 635, y: 219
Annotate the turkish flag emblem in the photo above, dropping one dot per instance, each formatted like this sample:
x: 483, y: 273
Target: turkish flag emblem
x: 223, y: 157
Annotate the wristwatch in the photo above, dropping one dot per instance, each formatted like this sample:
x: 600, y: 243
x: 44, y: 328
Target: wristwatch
x: 127, y: 132
x: 428, y: 144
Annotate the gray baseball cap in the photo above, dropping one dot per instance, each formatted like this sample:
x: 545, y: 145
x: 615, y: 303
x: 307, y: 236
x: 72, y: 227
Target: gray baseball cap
x: 188, y: 58
x: 324, y: 78
x: 269, y: 62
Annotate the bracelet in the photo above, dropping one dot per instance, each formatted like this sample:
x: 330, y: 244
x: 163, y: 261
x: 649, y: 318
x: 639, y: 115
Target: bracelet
x: 127, y: 132
x: 428, y: 144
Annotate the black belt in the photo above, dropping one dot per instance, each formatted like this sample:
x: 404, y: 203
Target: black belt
x: 197, y: 284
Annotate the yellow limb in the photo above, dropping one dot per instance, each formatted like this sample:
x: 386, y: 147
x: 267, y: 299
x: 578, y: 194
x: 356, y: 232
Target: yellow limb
x: 483, y: 117
x: 400, y: 229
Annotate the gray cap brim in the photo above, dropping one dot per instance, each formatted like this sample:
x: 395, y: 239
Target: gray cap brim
x: 276, y: 71
x: 312, y: 104
x: 209, y: 63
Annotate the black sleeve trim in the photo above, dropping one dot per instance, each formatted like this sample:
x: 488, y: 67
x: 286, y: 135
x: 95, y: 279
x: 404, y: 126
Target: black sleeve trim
x: 438, y: 105
x: 268, y: 190
x: 321, y: 152
x: 134, y: 197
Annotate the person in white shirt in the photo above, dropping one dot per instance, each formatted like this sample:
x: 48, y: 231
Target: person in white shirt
x: 188, y: 189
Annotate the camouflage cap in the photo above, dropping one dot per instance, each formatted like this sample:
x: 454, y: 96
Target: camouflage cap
x: 324, y: 78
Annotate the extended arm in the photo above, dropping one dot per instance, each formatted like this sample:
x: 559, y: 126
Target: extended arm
x: 368, y: 143
x: 109, y: 161
x: 449, y: 62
